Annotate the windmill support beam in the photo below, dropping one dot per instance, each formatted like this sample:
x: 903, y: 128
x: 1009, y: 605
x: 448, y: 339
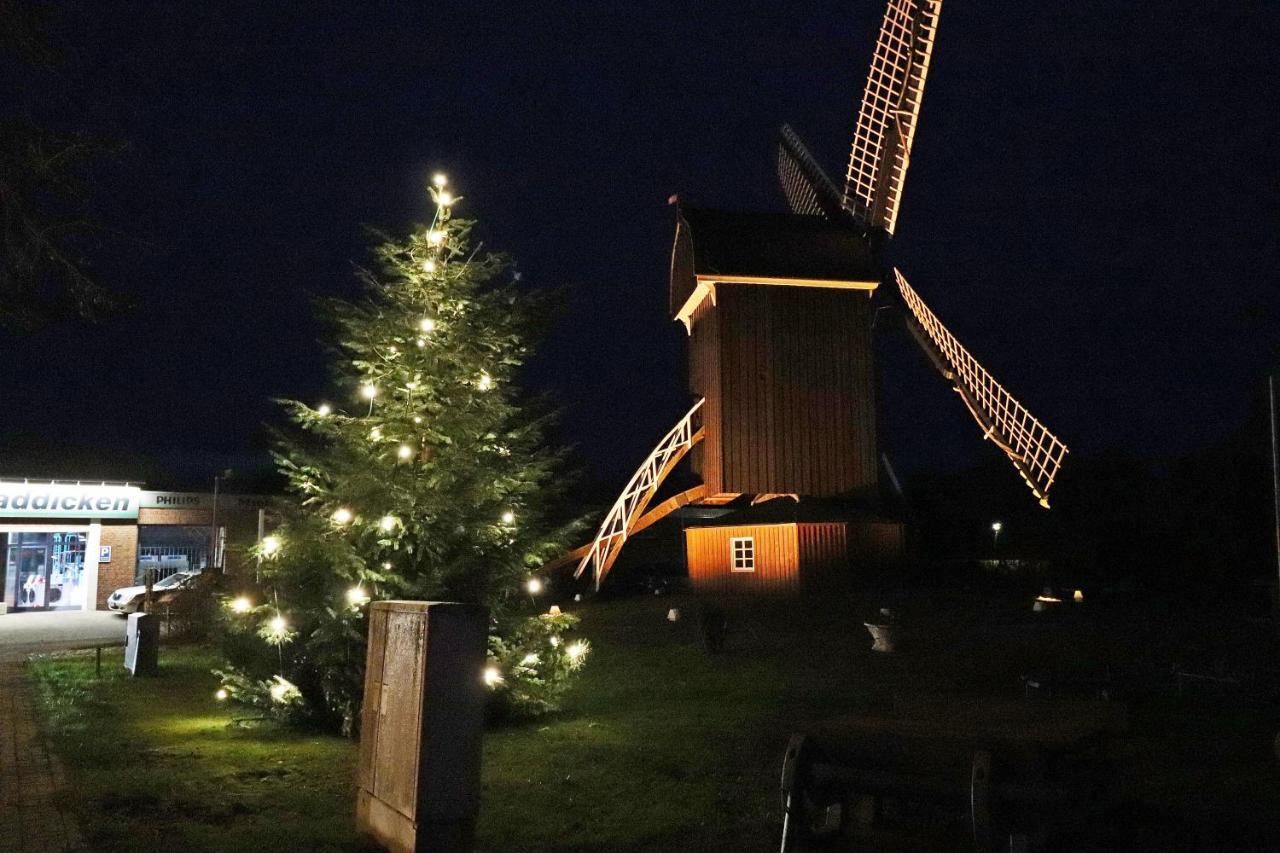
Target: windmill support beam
x: 628, y: 510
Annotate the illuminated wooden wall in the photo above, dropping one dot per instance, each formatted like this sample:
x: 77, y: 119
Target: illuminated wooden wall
x: 788, y: 378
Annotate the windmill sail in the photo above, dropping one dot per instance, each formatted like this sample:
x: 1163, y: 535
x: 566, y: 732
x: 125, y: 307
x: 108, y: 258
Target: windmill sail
x: 889, y: 112
x: 807, y: 188
x: 1033, y: 450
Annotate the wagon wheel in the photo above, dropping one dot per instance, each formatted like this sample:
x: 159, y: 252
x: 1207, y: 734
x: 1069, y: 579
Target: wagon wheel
x: 980, y: 801
x: 797, y: 804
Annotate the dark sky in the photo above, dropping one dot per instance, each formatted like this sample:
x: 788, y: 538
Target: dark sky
x: 1092, y: 202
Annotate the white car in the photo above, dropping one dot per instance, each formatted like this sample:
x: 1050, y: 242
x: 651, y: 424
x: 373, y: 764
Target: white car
x: 129, y: 599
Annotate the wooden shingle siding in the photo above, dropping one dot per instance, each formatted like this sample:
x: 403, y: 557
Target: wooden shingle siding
x: 824, y: 553
x: 704, y: 381
x: 776, y: 559
x: 787, y: 373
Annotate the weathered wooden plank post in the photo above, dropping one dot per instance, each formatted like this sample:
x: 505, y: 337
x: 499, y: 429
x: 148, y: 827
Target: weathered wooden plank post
x: 422, y: 725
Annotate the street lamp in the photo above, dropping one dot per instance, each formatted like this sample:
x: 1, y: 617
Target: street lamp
x: 996, y: 527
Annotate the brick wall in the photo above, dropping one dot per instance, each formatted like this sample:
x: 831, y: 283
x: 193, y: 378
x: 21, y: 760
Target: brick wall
x: 123, y: 539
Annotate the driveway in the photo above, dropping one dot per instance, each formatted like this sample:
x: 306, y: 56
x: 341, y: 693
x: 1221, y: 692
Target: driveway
x: 25, y: 633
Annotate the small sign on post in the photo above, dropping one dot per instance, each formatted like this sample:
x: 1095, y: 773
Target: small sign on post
x: 422, y: 726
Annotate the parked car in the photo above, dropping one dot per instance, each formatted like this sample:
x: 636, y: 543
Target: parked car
x: 129, y: 599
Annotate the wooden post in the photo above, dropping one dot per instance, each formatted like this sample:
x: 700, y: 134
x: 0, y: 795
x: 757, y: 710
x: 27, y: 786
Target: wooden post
x: 422, y: 726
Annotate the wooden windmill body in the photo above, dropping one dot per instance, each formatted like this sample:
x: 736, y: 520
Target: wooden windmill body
x: 779, y: 310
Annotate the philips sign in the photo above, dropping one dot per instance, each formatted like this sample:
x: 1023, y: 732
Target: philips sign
x: 46, y: 500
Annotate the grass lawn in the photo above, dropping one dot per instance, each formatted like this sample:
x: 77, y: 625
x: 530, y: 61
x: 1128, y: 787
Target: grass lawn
x: 661, y: 747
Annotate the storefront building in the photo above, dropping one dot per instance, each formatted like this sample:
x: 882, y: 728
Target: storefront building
x: 66, y: 546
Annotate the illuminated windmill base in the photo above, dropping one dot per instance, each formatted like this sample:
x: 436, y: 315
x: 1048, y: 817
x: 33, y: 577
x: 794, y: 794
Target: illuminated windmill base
x: 779, y: 309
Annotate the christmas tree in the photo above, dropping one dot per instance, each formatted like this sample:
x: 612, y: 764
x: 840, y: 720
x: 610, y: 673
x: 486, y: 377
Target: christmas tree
x: 426, y: 477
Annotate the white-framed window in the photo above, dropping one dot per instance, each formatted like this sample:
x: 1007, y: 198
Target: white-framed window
x: 742, y: 553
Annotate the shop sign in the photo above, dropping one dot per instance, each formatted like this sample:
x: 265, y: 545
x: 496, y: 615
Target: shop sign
x: 201, y: 500
x: 59, y: 500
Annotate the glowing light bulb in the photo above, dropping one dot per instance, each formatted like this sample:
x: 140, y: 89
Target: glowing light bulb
x: 530, y: 659
x: 444, y: 198
x: 221, y: 694
x: 439, y: 179
x: 492, y: 676
x: 411, y: 385
x: 241, y: 605
x: 368, y: 391
x: 278, y: 625
x: 417, y: 419
x: 388, y: 522
x: 270, y: 545
x: 508, y: 517
x: 435, y: 237
x: 323, y: 410
x: 387, y: 565
x: 429, y: 265
x: 342, y: 515
x: 576, y: 650
x: 405, y: 451
x: 485, y: 382
x: 555, y: 642
x: 534, y: 585
x: 427, y: 324
x: 280, y: 689
x: 997, y: 526
x: 356, y: 596
x: 375, y: 433
x: 421, y: 343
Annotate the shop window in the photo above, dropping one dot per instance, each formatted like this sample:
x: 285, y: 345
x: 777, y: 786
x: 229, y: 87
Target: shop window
x: 169, y: 549
x: 742, y: 554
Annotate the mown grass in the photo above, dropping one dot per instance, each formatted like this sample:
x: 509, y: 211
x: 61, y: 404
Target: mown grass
x: 661, y: 746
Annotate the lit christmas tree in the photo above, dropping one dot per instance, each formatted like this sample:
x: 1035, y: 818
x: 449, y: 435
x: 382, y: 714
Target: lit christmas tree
x: 424, y: 478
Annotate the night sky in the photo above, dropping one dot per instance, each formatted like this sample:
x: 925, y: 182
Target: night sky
x: 1091, y: 206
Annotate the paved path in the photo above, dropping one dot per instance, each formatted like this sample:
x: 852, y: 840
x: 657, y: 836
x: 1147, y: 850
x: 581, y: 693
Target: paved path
x: 29, y: 771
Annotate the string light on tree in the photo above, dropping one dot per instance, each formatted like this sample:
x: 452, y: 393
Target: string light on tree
x: 435, y: 237
x: 270, y: 546
x: 508, y: 517
x: 405, y: 451
x: 221, y: 694
x: 533, y: 585
x: 369, y: 391
x: 323, y: 410
x: 342, y: 515
x: 388, y: 522
x: 485, y: 382
x: 439, y: 179
x: 356, y: 596
x: 428, y: 266
x: 241, y: 604
x: 427, y: 324
x: 492, y: 676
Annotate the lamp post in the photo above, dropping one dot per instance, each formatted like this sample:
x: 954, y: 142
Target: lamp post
x: 215, y: 553
x: 996, y: 527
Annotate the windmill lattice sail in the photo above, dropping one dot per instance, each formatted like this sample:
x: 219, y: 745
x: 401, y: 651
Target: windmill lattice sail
x: 1034, y: 451
x: 807, y: 188
x: 889, y: 112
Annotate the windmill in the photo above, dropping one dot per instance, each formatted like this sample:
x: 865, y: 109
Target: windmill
x: 778, y: 308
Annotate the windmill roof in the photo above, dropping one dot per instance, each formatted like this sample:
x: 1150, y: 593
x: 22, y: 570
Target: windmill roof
x: 778, y: 245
